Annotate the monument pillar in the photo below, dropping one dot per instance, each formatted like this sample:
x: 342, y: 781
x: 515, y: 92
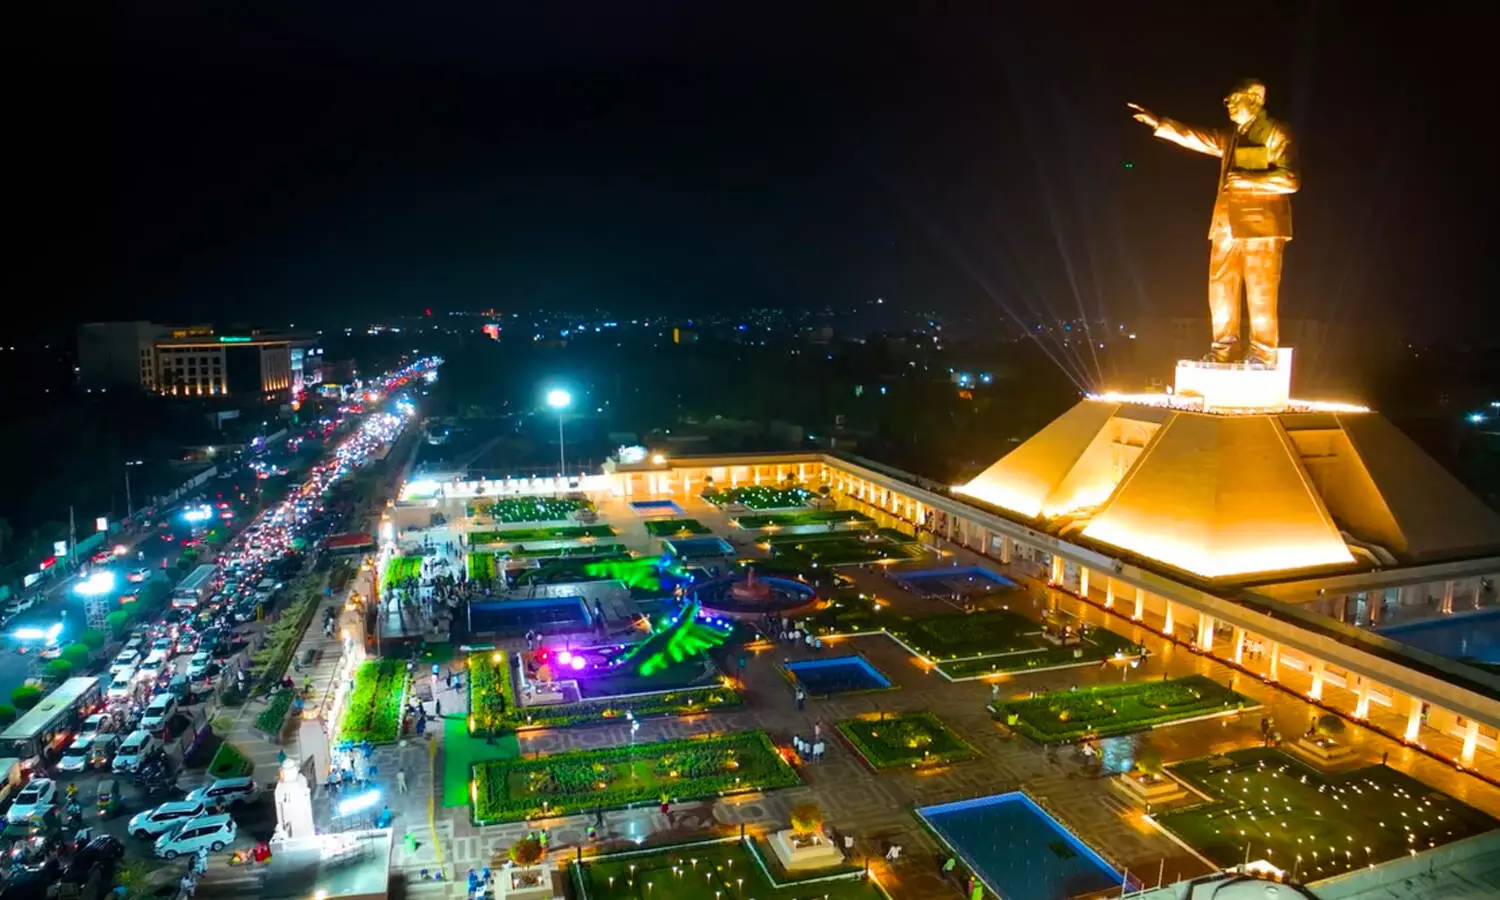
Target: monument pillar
x: 1205, y: 631
x: 1056, y: 579
x: 1275, y: 658
x: 1413, y: 721
x: 1007, y: 547
x: 1362, y: 701
x: 1083, y: 582
x: 1140, y: 603
x: 1316, y: 690
x: 1449, y: 588
x: 1239, y: 645
x: 1169, y: 626
x: 1109, y: 593
x: 1471, y: 742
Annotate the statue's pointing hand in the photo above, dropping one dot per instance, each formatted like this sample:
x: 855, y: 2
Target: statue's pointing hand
x: 1144, y: 116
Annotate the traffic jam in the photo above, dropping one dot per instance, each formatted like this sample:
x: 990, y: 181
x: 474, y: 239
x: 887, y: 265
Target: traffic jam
x: 103, y: 774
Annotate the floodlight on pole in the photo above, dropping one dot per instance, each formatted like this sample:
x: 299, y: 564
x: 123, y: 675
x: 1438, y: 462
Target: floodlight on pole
x: 559, y: 399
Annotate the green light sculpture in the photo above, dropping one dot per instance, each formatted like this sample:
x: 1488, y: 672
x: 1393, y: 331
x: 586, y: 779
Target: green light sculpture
x: 674, y: 642
x: 633, y: 573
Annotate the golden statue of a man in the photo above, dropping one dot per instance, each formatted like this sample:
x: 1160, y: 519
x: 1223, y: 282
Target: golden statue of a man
x: 1252, y: 218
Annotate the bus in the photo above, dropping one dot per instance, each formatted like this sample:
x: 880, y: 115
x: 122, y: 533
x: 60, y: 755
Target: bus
x: 49, y: 725
x: 193, y: 589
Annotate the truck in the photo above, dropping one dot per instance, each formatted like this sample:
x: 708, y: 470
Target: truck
x: 193, y: 589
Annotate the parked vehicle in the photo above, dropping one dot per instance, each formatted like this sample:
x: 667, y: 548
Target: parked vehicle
x: 211, y: 832
x: 133, y: 752
x: 158, y: 712
x: 226, y: 792
x: 164, y: 818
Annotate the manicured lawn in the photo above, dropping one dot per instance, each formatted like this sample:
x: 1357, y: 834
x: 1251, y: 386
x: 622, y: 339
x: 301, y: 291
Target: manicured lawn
x: 462, y: 750
x: 758, y: 496
x: 1284, y: 810
x: 670, y: 527
x: 493, y: 703
x: 520, y: 535
x: 562, y: 570
x: 907, y: 740
x: 717, y: 871
x: 509, y: 510
x: 804, y: 517
x: 483, y: 565
x: 613, y: 777
x: 398, y: 569
x: 1117, y: 709
x: 519, y: 552
x: 969, y: 644
x: 839, y: 549
x: 374, y: 711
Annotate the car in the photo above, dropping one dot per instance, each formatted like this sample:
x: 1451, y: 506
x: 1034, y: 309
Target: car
x: 133, y: 751
x: 213, y: 833
x: 19, y: 605
x: 226, y: 792
x: 154, y: 822
x: 163, y: 645
x: 96, y: 724
x: 198, y: 665
x: 103, y: 852
x: 121, y: 685
x: 76, y: 758
x: 33, y: 802
x: 150, y: 669
x: 137, y: 575
x: 135, y: 644
x: 157, y: 713
x: 126, y: 660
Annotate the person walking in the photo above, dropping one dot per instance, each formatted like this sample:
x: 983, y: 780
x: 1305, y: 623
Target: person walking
x: 801, y: 698
x: 401, y: 780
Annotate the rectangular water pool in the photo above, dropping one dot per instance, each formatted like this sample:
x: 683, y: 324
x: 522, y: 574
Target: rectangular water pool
x: 837, y: 675
x: 964, y: 581
x: 1018, y: 850
x: 1473, y: 635
x: 512, y: 617
x: 698, y: 548
x: 655, y: 508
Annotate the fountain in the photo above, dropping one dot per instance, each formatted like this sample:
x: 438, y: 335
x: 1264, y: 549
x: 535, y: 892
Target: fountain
x: 750, y: 591
x: 753, y: 595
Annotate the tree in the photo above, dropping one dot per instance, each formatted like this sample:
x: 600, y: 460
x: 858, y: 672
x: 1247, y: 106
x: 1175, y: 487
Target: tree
x: 8, y: 714
x: 58, y: 669
x: 526, y: 852
x: 807, y: 818
x: 26, y: 696
x: 93, y: 639
x: 117, y: 621
x: 1149, y: 761
x: 77, y: 654
x: 1330, y: 725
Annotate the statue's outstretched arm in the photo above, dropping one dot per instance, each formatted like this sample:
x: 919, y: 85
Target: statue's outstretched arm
x: 1200, y: 140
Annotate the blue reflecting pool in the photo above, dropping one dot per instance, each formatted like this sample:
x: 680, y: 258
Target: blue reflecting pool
x: 655, y: 508
x: 964, y: 581
x: 837, y: 675
x: 512, y: 617
x: 1467, y: 635
x: 698, y: 548
x: 1020, y: 851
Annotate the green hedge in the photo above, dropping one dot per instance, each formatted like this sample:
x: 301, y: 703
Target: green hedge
x: 804, y: 517
x: 760, y: 496
x: 400, y: 569
x: 374, y: 710
x: 560, y: 533
x: 273, y: 717
x: 906, y: 740
x: 1118, y: 709
x: 569, y: 783
x: 528, y: 509
x: 669, y: 527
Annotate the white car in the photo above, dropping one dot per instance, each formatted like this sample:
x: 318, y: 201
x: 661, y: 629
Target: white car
x: 95, y: 725
x: 133, y: 752
x: 76, y: 758
x: 198, y: 665
x: 121, y: 685
x: 223, y: 793
x: 150, y: 668
x: 154, y: 822
x: 35, y: 799
x: 126, y: 660
x: 211, y: 832
x: 158, y: 712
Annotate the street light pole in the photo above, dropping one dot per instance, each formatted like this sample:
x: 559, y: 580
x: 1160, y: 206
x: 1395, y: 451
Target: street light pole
x: 559, y: 399
x: 129, y: 509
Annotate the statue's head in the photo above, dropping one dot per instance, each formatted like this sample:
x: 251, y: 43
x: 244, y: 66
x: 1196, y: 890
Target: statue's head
x: 1245, y: 101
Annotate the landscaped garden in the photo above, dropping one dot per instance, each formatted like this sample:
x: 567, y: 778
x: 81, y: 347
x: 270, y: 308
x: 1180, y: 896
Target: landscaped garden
x: 838, y: 549
x: 804, y: 517
x: 671, y: 527
x: 968, y: 645
x: 484, y: 565
x: 563, y: 569
x: 759, y: 496
x: 375, y: 704
x: 614, y: 777
x: 509, y: 510
x: 1117, y: 709
x: 492, y: 701
x: 401, y: 569
x: 1273, y: 807
x: 560, y: 533
x: 712, y: 871
x: 906, y: 740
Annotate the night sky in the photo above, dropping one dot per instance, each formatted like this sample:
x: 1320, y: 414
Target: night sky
x: 229, y: 162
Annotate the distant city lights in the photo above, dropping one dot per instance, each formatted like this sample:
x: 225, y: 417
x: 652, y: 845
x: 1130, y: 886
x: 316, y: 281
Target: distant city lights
x: 100, y: 582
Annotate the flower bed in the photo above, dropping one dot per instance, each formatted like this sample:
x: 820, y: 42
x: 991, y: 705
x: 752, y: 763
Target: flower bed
x: 714, y: 870
x: 401, y: 569
x: 760, y: 497
x: 493, y: 703
x: 561, y: 533
x: 840, y: 549
x: 273, y: 717
x: 1118, y: 709
x: 613, y: 777
x: 507, y: 510
x: 908, y: 740
x: 374, y: 710
x: 804, y: 517
x: 669, y: 527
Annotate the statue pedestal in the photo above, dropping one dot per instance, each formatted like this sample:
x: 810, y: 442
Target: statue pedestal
x: 1237, y: 387
x: 1323, y: 752
x: 525, y: 883
x: 798, y: 853
x: 1149, y: 790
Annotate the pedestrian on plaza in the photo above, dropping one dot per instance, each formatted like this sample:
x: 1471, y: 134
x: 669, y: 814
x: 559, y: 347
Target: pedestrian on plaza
x: 818, y: 731
x: 200, y: 861
x: 401, y: 780
x: 801, y: 698
x: 599, y: 817
x: 437, y: 707
x: 949, y: 865
x: 818, y: 749
x: 893, y: 853
x: 421, y: 726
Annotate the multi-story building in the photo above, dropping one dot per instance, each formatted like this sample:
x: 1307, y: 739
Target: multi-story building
x: 196, y: 360
x: 116, y: 354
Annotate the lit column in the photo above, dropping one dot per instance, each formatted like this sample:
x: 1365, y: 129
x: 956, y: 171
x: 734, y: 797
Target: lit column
x: 1239, y: 645
x: 1413, y: 720
x: 1362, y: 703
x: 1316, y: 691
x: 1109, y: 593
x: 1205, y: 631
x: 1275, y: 658
x: 1007, y: 547
x: 1471, y: 742
x: 1083, y: 582
x: 1449, y: 588
x: 802, y: 472
x: 1167, y: 626
x: 1140, y: 603
x: 1478, y: 591
x: 1057, y: 570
